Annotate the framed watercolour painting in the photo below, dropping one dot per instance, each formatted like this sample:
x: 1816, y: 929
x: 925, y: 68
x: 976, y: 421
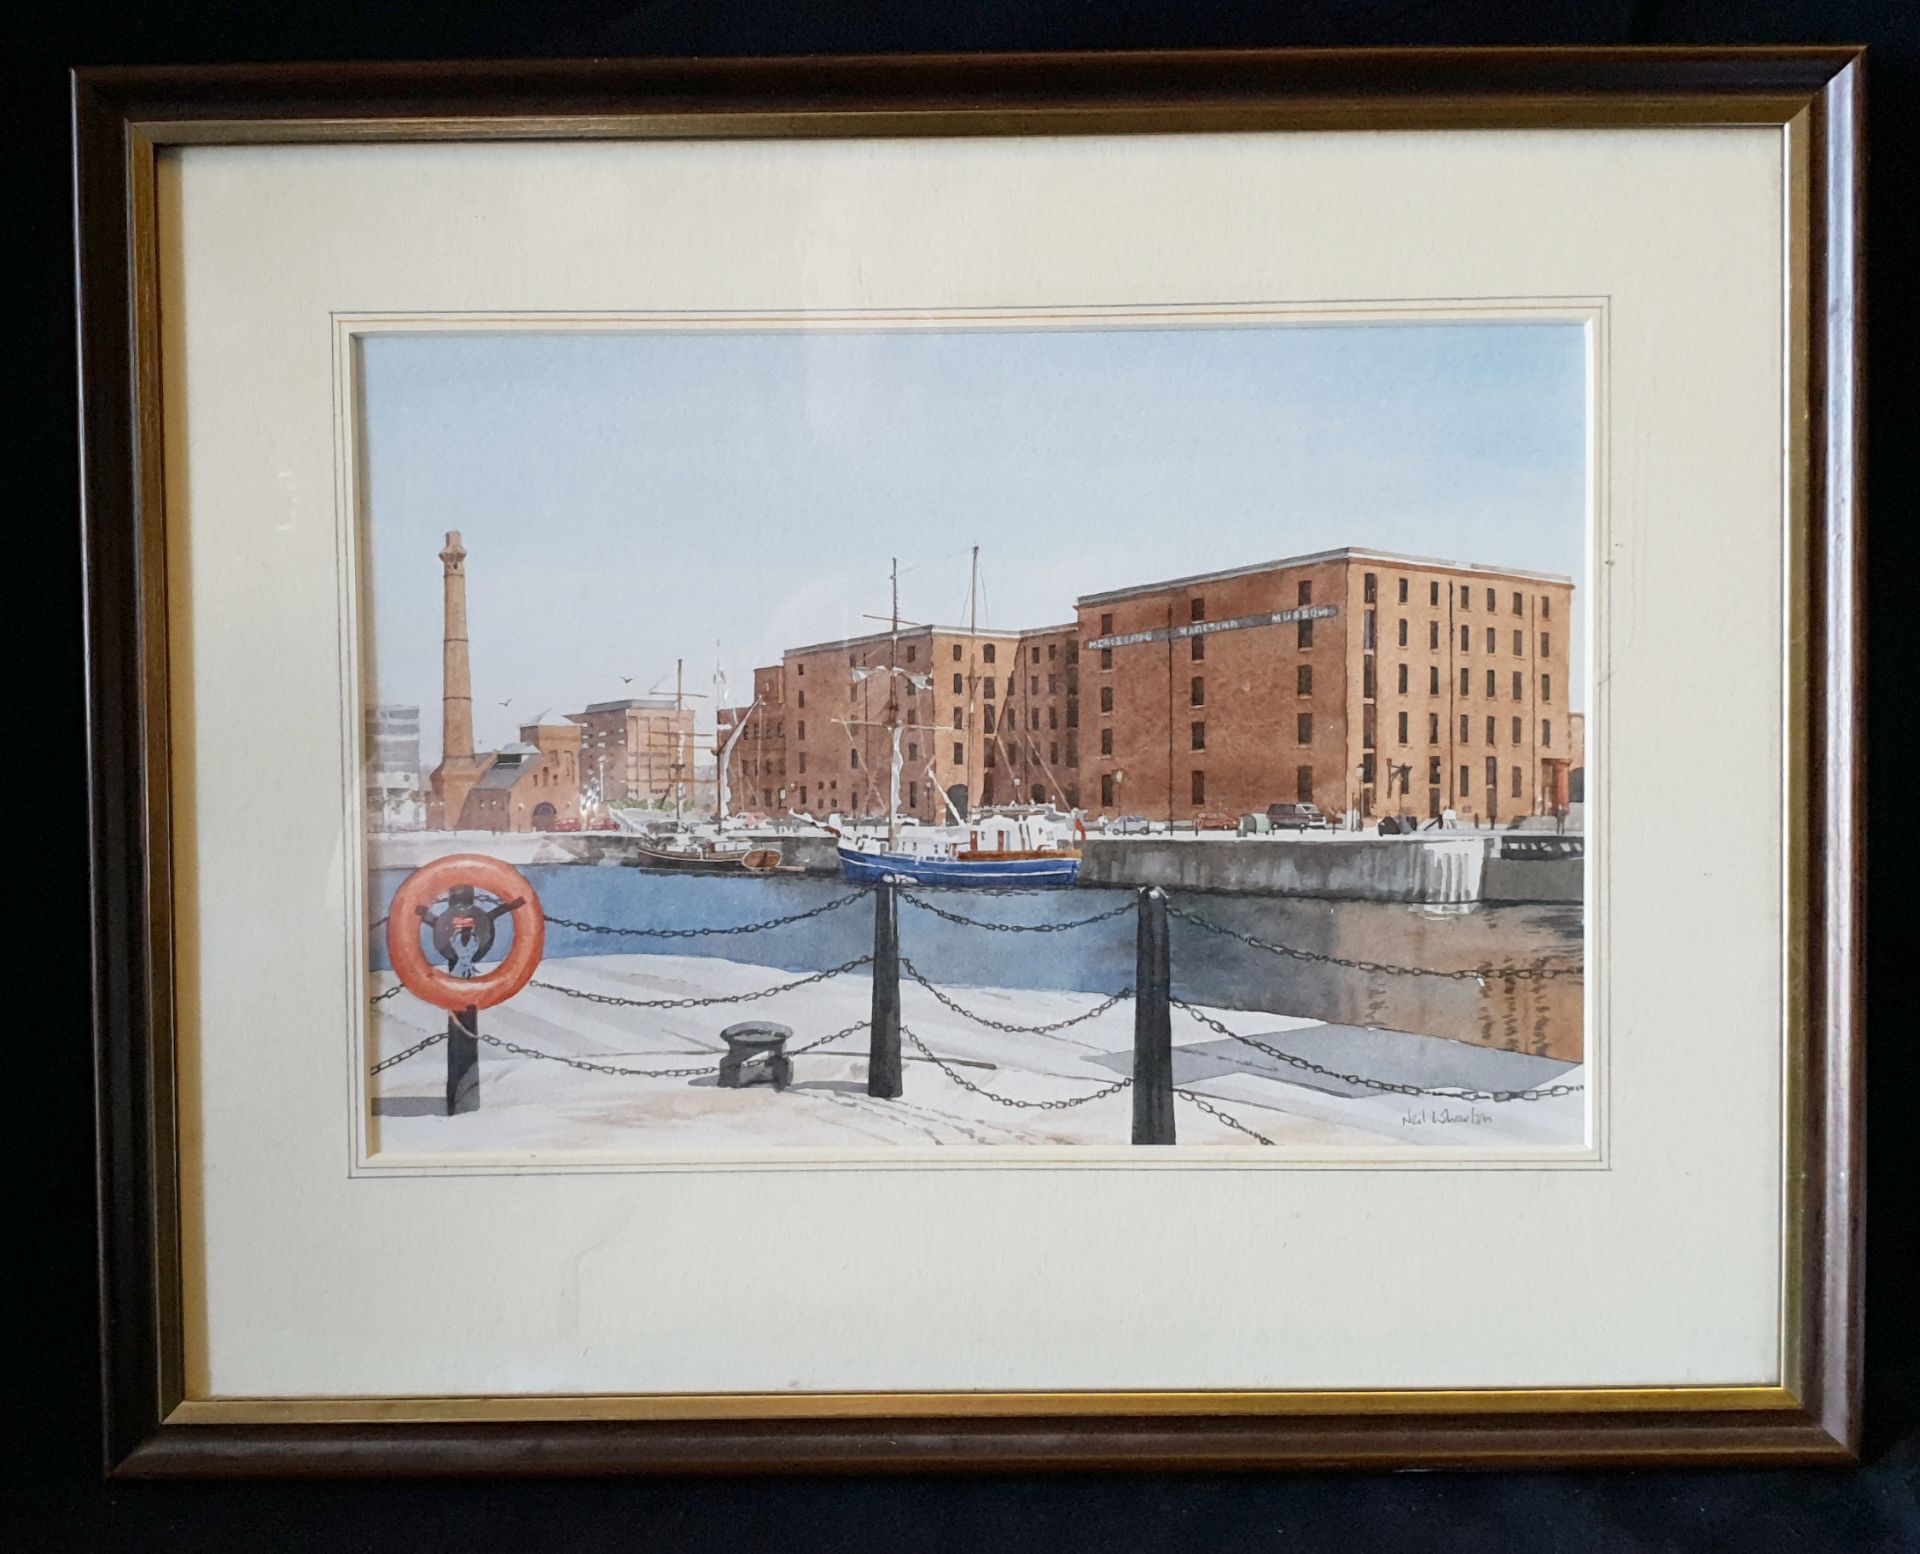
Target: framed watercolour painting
x: 1068, y: 761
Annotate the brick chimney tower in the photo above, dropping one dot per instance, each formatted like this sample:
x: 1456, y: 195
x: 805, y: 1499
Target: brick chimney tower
x: 456, y: 676
x: 459, y: 768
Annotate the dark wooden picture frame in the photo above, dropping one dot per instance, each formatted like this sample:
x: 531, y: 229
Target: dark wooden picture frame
x: 123, y: 119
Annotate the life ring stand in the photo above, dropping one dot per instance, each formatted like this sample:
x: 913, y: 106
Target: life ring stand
x: 413, y: 903
x: 1080, y: 828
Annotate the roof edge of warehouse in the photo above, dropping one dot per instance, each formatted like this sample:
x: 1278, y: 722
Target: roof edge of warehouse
x: 1344, y: 553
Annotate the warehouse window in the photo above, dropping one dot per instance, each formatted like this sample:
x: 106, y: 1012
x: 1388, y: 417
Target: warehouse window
x: 1492, y: 724
x: 1546, y: 644
x: 959, y: 755
x: 1516, y: 603
x: 1493, y: 645
x: 1519, y: 686
x: 1517, y: 734
x: 1198, y: 787
x: 1466, y: 597
x: 989, y: 685
x: 1199, y: 647
x: 1196, y: 609
x: 1106, y: 790
x: 1106, y: 698
x: 1303, y: 784
x: 1106, y: 741
x: 959, y: 684
x: 1546, y: 731
x: 986, y: 720
x: 1433, y: 679
x: 1403, y: 679
x: 1516, y: 782
x: 1433, y: 593
x: 1303, y: 680
x: 1466, y: 682
x: 1546, y: 607
x: 1492, y: 681
x: 1433, y: 771
x: 1303, y: 634
x: 1466, y: 639
x: 1546, y: 687
x: 1369, y: 585
x: 1403, y: 631
x: 1403, y: 590
x: 1519, y: 643
x: 1197, y: 692
x: 1466, y: 781
x: 1433, y: 731
x: 1433, y: 634
x: 1305, y: 593
x: 1106, y: 625
x: 1303, y: 728
x: 956, y: 652
x: 1106, y: 658
x: 1403, y: 728
x: 986, y: 653
x: 1199, y: 735
x: 1463, y: 728
x: 1493, y: 776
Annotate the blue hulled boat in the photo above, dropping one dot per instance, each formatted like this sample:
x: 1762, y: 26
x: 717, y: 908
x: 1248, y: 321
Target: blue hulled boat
x: 1005, y: 869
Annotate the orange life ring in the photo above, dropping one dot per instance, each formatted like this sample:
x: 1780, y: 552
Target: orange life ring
x: 415, y: 900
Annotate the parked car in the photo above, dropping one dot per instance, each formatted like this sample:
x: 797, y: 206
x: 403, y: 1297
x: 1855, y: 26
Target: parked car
x: 605, y: 823
x: 564, y: 825
x: 1217, y: 820
x: 1130, y: 825
x: 1296, y: 817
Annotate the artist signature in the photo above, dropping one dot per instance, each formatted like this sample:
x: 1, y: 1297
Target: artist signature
x: 1444, y: 1116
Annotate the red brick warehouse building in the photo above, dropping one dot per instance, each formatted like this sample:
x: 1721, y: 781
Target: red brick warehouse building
x: 1346, y: 678
x: 987, y: 713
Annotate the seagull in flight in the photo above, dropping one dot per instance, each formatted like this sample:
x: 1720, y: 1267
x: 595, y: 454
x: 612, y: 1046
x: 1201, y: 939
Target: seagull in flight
x: 508, y: 702
x: 626, y: 679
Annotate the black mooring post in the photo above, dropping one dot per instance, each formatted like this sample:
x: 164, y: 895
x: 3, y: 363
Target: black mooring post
x: 463, y: 1061
x: 883, y: 1046
x: 1153, y: 1023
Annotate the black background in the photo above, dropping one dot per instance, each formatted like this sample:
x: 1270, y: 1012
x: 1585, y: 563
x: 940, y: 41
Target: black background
x: 48, y: 1254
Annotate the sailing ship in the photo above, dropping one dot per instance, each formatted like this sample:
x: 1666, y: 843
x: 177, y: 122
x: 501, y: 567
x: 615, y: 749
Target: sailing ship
x: 686, y: 849
x: 1029, y: 848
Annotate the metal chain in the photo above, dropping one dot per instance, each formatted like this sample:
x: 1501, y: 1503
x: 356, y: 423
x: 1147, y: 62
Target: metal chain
x: 378, y: 922
x: 616, y: 1001
x: 394, y: 991
x: 703, y: 933
x: 1387, y: 1086
x: 1099, y: 1009
x: 822, y: 1041
x: 401, y: 1057
x: 975, y: 922
x: 1006, y: 1100
x: 1213, y: 1111
x: 1538, y: 971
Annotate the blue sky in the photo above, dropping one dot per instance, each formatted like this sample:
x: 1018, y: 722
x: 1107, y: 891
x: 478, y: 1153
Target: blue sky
x: 630, y: 498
